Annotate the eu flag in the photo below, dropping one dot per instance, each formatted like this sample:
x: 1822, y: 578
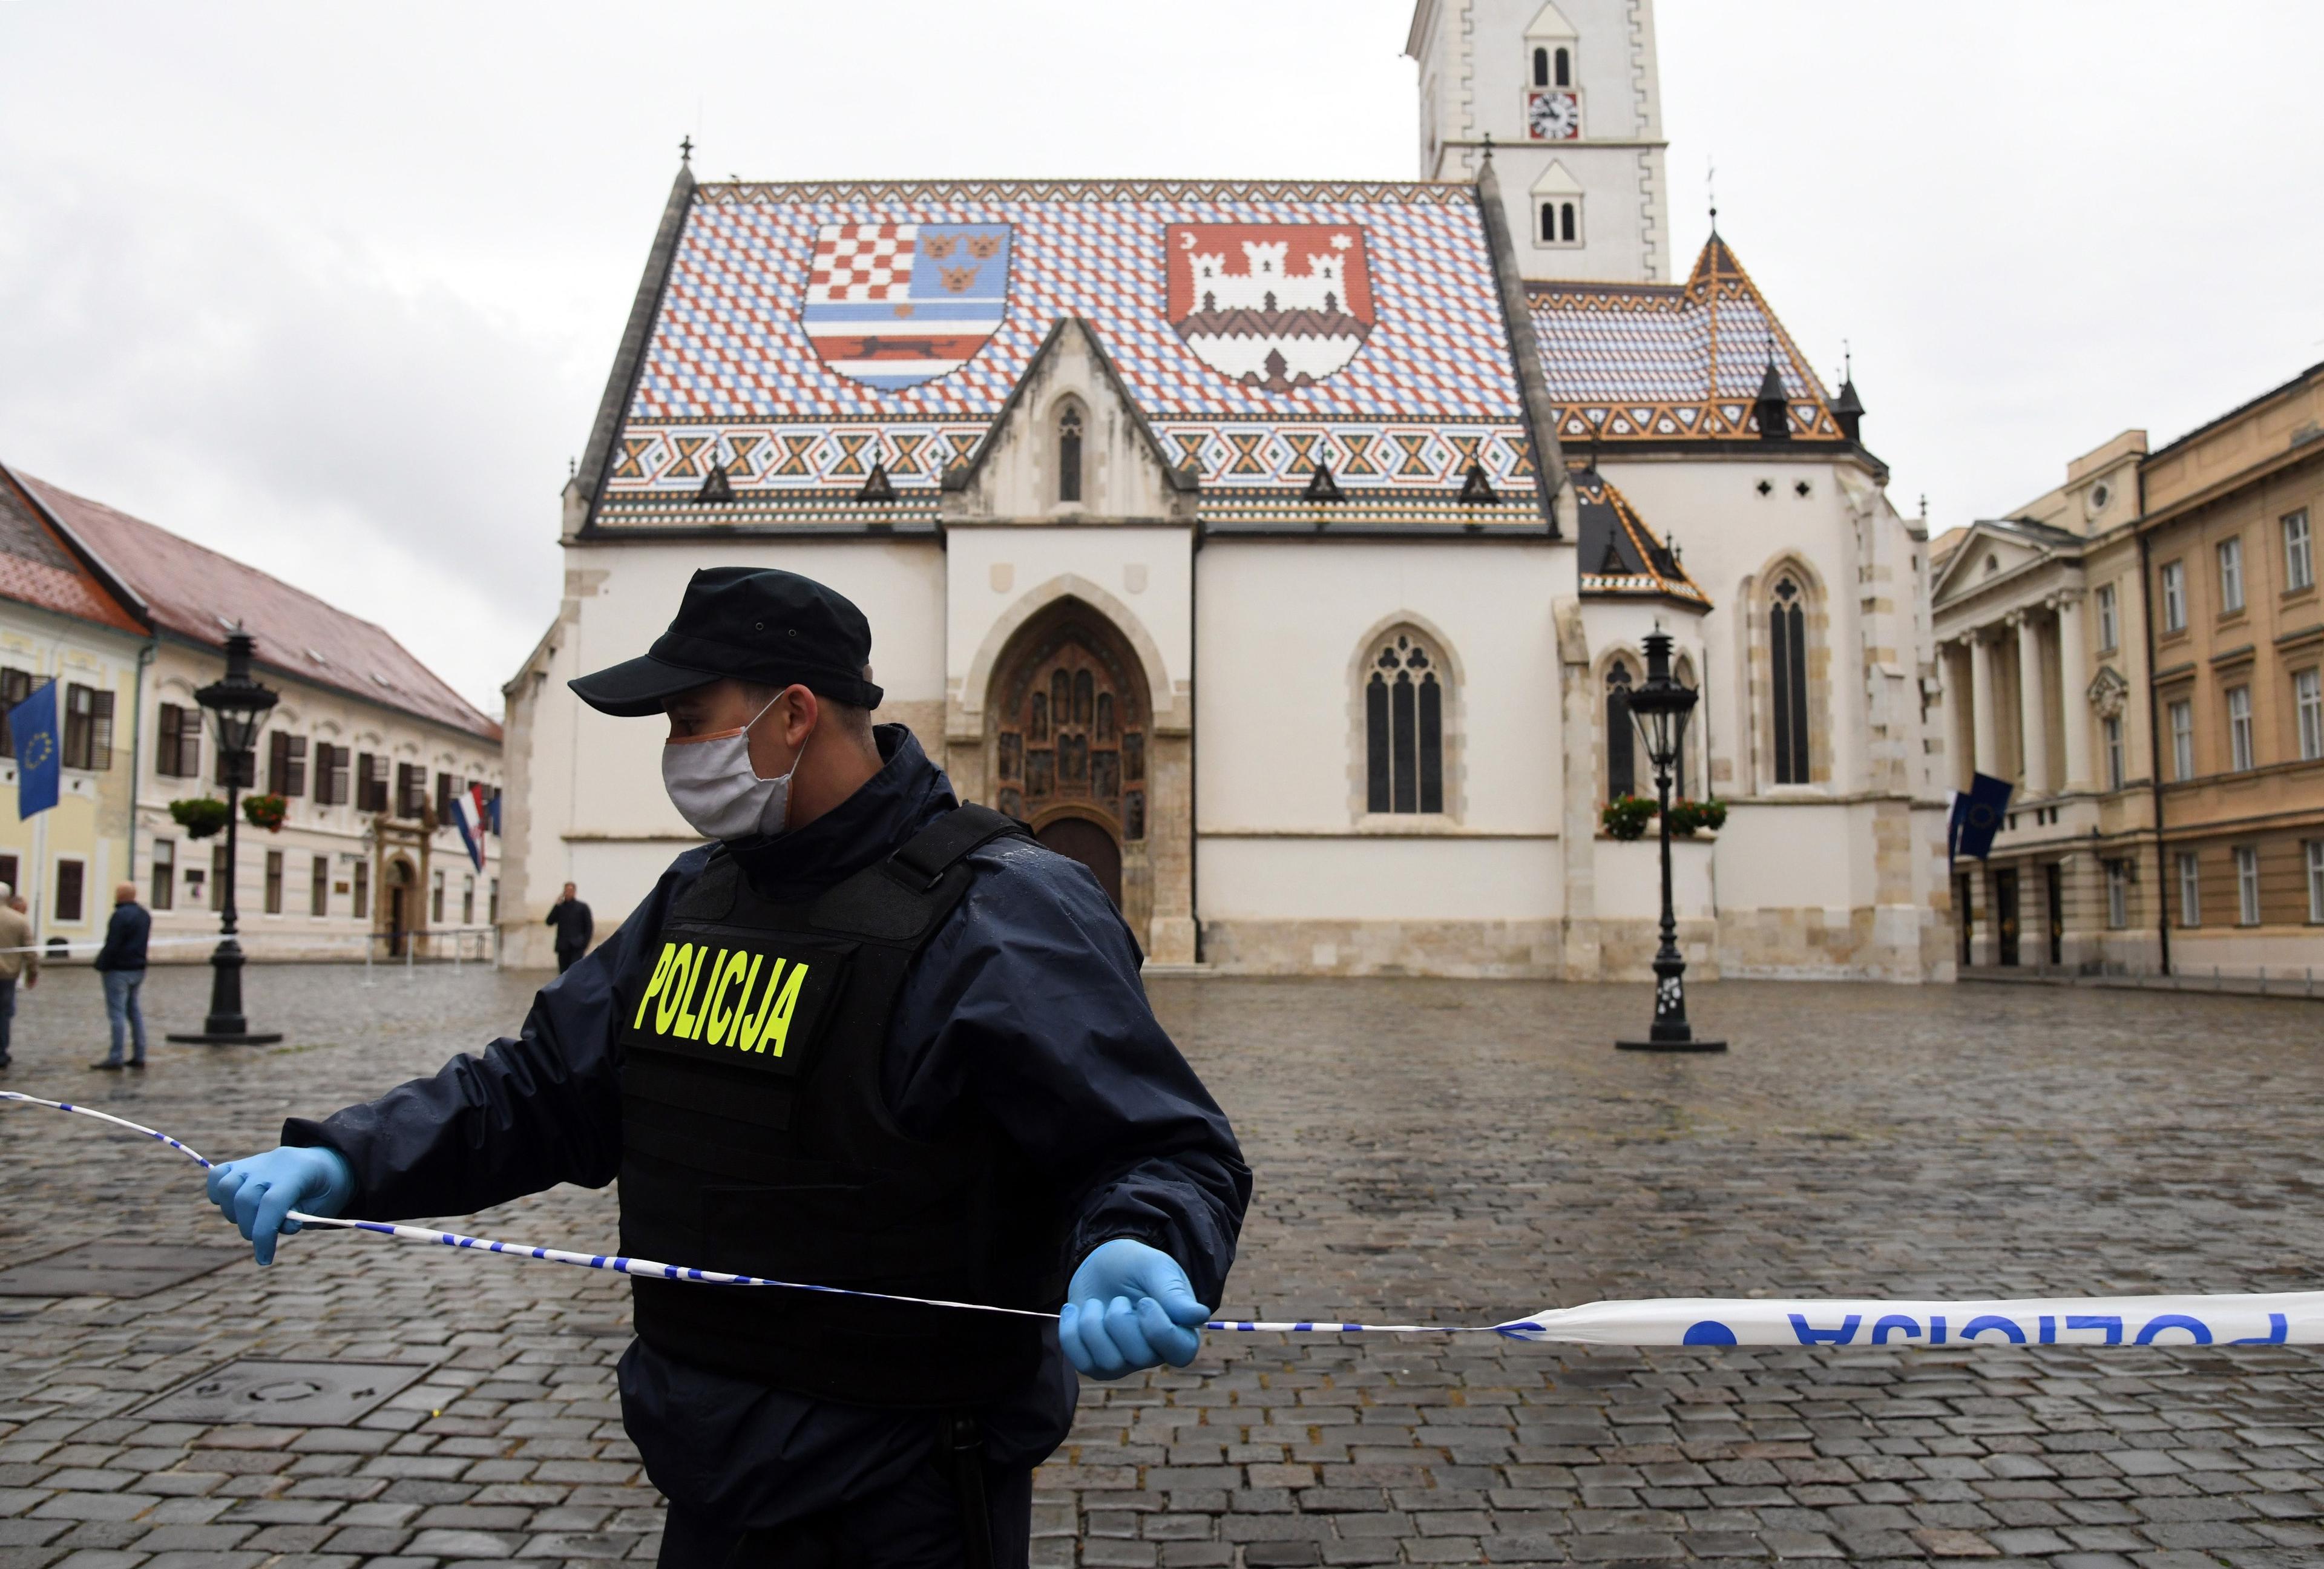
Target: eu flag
x: 1977, y: 815
x: 32, y: 724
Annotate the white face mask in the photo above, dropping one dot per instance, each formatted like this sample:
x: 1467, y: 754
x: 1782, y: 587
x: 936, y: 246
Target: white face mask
x: 716, y: 790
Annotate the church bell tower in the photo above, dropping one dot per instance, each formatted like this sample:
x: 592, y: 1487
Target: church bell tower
x: 1569, y: 97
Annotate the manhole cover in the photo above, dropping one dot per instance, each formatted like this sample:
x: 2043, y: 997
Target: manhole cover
x: 113, y: 1270
x: 285, y: 1394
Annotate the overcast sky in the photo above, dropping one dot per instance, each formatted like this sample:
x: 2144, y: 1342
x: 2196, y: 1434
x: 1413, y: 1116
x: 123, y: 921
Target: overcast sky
x: 336, y: 289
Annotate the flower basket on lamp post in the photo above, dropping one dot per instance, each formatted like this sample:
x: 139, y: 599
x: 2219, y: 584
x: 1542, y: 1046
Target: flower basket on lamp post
x: 1660, y: 707
x: 238, y: 705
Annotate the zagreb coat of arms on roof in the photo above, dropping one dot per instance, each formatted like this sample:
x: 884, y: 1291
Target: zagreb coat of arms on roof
x: 895, y: 304
x: 1278, y: 306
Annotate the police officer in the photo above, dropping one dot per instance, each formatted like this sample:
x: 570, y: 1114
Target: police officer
x: 869, y: 1037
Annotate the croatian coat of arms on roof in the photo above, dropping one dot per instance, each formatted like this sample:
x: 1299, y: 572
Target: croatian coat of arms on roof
x: 1278, y: 306
x: 895, y: 304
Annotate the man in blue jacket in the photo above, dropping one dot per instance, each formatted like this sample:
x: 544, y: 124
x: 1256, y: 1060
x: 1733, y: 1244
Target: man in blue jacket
x: 868, y: 1039
x: 121, y: 962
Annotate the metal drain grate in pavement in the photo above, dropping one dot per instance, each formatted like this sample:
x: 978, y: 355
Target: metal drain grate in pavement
x: 113, y: 1270
x: 285, y: 1394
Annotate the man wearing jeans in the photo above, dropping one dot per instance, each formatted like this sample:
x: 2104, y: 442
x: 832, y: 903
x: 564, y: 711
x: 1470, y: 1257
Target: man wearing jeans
x: 17, y: 960
x: 122, y: 963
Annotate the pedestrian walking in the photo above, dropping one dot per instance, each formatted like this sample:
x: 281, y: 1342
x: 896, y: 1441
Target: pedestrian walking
x: 17, y: 960
x: 574, y: 927
x: 870, y: 1037
x: 121, y: 963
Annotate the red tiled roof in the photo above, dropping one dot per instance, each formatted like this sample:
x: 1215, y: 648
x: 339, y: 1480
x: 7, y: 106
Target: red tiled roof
x: 35, y: 568
x: 196, y: 594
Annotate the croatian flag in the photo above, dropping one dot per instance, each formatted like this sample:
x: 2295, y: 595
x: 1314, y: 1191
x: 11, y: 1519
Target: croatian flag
x: 893, y: 305
x: 475, y: 815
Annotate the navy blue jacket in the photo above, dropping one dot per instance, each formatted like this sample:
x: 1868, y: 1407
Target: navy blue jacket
x: 124, y: 937
x: 1025, y: 1008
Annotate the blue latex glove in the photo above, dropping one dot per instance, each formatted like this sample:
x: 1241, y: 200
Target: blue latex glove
x: 1129, y: 1307
x: 258, y: 1195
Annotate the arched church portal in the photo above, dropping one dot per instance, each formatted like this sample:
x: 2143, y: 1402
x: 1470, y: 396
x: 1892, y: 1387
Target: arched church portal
x: 1068, y: 728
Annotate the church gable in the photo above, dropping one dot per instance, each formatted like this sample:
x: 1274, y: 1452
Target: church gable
x: 825, y: 354
x: 1672, y: 363
x: 1069, y: 444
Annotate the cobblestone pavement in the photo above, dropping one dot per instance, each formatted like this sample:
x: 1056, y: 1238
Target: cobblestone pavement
x: 1465, y: 1150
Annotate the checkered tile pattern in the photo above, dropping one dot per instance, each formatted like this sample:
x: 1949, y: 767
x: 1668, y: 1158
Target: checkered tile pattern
x: 1648, y: 361
x: 729, y: 375
x: 860, y: 264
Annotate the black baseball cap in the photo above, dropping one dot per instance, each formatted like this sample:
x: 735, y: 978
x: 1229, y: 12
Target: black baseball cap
x: 753, y: 623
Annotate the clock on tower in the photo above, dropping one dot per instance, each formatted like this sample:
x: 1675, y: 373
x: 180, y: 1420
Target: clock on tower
x: 1554, y: 115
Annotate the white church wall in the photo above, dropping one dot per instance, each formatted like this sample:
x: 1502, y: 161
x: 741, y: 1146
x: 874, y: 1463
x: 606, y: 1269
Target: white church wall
x: 1290, y: 864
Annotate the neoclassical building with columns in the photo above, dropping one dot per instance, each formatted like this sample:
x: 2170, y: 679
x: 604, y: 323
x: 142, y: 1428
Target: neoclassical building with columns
x: 1284, y: 552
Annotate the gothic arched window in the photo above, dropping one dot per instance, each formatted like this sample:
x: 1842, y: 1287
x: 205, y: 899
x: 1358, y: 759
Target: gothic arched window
x: 1564, y: 71
x: 1561, y: 222
x: 1621, y: 736
x: 1069, y: 454
x: 1787, y: 646
x: 1404, y: 727
x: 1541, y: 67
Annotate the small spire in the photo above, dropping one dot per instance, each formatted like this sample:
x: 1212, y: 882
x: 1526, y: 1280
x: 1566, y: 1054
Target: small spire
x: 686, y: 150
x: 1489, y: 148
x: 1772, y: 407
x: 1711, y: 192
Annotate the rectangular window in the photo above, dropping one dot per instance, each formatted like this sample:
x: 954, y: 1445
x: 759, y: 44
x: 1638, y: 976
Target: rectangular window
x: 2182, y: 739
x: 8, y: 874
x: 446, y: 787
x: 436, y: 899
x: 88, y: 728
x: 371, y: 783
x: 468, y: 901
x: 410, y: 789
x: 2239, y: 728
x: 2174, y: 596
x: 69, y: 876
x: 2116, y: 763
x: 318, y: 886
x: 274, y: 883
x: 178, y: 747
x: 286, y: 764
x: 2299, y: 553
x: 2109, y: 619
x: 2308, y: 709
x: 2231, y: 576
x: 15, y: 685
x: 2247, y: 885
x: 2316, y: 880
x: 493, y: 902
x: 362, y: 891
x: 2190, y: 891
x: 218, y: 870
x: 2117, y: 879
x: 164, y: 892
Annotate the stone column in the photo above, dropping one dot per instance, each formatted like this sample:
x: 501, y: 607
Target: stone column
x: 1985, y: 743
x: 2033, y: 710
x: 2073, y: 676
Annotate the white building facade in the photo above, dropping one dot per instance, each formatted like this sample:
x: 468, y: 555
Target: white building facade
x: 1284, y: 552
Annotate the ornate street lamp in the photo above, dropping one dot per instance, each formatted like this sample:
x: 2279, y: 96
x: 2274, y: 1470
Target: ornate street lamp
x: 238, y: 706
x: 1660, y: 707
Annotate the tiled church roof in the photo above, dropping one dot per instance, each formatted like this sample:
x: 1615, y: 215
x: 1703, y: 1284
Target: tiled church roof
x: 36, y: 569
x: 802, y: 333
x: 1630, y: 363
x: 1619, y: 555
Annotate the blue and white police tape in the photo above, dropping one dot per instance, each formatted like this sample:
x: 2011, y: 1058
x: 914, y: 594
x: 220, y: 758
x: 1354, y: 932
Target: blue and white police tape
x: 2255, y: 1318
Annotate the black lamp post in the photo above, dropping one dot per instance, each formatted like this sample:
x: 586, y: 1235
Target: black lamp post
x: 1660, y: 707
x: 238, y: 706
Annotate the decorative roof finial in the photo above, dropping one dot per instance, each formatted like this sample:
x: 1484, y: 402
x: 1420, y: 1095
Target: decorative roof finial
x: 1711, y: 190
x: 1489, y: 147
x: 686, y: 151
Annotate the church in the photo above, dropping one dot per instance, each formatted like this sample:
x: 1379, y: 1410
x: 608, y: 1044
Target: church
x: 1284, y: 552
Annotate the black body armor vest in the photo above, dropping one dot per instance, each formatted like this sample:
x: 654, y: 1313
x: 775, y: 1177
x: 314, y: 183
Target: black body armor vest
x: 757, y: 1140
